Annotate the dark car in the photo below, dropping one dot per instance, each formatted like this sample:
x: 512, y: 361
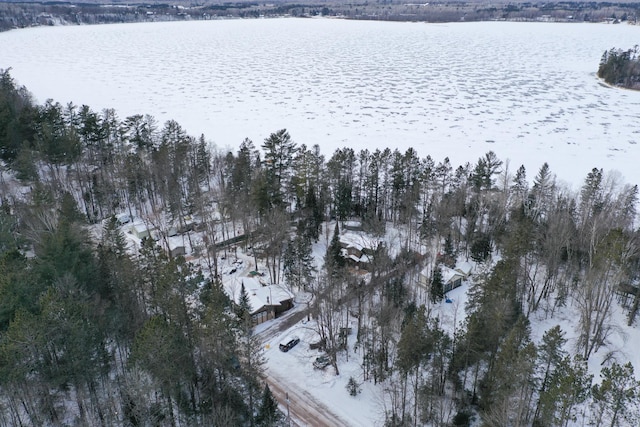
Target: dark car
x: 321, y: 362
x: 289, y: 344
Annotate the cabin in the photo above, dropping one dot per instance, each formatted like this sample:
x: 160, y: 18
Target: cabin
x: 141, y: 230
x: 451, y: 278
x: 358, y: 250
x: 267, y: 301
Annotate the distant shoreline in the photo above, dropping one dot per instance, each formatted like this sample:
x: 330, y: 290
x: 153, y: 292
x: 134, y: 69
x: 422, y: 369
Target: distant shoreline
x: 26, y: 15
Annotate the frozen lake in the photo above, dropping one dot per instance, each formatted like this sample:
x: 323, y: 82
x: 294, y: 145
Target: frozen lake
x: 527, y: 91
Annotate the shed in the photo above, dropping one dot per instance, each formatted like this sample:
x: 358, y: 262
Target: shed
x: 464, y: 268
x: 178, y: 251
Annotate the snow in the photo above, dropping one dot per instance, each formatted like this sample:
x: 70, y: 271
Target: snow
x: 323, y: 385
x: 527, y: 91
x: 359, y: 241
x: 260, y: 293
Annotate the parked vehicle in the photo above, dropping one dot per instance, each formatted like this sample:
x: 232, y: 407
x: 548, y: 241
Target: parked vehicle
x: 289, y: 343
x: 321, y: 362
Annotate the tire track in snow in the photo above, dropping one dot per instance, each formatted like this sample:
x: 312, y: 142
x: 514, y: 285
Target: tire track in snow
x: 304, y: 409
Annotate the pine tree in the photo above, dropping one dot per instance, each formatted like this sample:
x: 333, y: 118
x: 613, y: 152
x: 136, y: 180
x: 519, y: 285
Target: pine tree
x: 449, y: 252
x: 507, y: 388
x: 520, y: 186
x: 268, y: 413
x: 540, y: 198
x: 550, y: 354
x: 279, y: 151
x: 480, y: 249
x: 618, y: 396
x: 333, y: 259
x: 243, y: 307
x: 313, y: 212
x: 437, y: 285
x: 298, y: 262
x: 353, y: 387
x: 567, y: 387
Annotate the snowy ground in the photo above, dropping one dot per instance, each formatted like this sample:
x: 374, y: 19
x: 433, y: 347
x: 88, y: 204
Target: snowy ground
x: 527, y: 91
x: 319, y: 397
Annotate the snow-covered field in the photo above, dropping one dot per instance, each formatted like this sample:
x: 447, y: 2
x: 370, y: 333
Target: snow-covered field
x: 527, y: 91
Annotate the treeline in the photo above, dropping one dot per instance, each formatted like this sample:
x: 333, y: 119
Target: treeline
x: 541, y: 249
x: 621, y: 68
x: 90, y: 333
x: 21, y: 15
x: 94, y: 333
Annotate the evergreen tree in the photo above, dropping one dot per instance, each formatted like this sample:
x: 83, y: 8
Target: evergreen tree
x: 520, y: 185
x: 492, y: 310
x: 618, y: 396
x: 550, y: 354
x: 298, y: 262
x: 507, y: 388
x: 449, y: 252
x: 279, y: 150
x: 620, y: 67
x: 161, y: 349
x: 353, y: 387
x: 313, y: 215
x: 17, y: 117
x: 268, y: 413
x: 539, y: 203
x: 333, y: 260
x: 24, y: 164
x: 480, y: 249
x: 437, y: 285
x: 567, y: 387
x: 243, y: 307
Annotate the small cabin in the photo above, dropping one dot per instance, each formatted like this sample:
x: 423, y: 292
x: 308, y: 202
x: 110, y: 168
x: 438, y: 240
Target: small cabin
x: 141, y: 230
x: 267, y: 301
x: 451, y: 278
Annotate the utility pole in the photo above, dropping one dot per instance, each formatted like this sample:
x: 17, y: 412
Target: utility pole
x: 288, y: 415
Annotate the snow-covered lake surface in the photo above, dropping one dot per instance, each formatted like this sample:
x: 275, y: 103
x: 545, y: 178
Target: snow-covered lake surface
x: 527, y: 91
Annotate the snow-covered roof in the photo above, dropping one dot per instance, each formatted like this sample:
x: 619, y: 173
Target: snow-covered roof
x: 260, y: 294
x: 139, y: 228
x: 449, y: 274
x: 358, y: 241
x: 362, y: 259
x: 464, y: 267
x: 352, y: 225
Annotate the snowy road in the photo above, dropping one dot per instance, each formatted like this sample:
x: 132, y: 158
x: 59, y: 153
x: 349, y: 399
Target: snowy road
x: 304, y: 409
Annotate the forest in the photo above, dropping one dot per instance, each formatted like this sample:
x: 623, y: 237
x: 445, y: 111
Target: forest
x: 621, y: 68
x: 93, y: 333
x: 32, y: 13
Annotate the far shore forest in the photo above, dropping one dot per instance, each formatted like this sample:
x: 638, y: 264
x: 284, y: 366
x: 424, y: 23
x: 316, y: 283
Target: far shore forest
x: 621, y: 68
x: 93, y: 333
x: 27, y: 14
